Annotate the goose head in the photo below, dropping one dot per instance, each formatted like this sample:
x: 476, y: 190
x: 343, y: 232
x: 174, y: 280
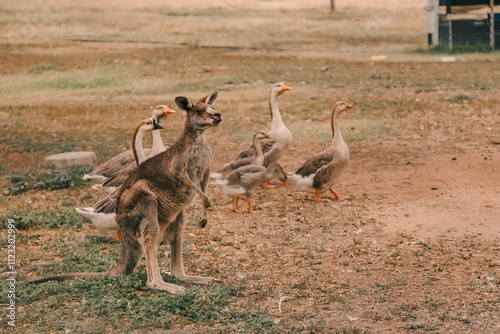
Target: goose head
x: 340, y: 107
x: 279, y: 88
x: 260, y: 135
x: 148, y: 125
x: 161, y: 112
x: 280, y: 173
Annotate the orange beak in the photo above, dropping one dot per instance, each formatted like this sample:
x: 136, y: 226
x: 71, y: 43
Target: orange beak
x: 285, y: 88
x: 349, y: 106
x: 286, y: 183
x: 168, y: 111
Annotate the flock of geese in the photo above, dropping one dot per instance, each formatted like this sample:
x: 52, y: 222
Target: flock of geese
x: 256, y: 165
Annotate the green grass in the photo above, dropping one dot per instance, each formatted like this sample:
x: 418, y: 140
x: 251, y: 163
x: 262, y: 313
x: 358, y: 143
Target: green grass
x: 460, y: 97
x: 459, y: 49
x: 39, y: 69
x: 54, y: 180
x: 125, y: 304
x: 29, y: 219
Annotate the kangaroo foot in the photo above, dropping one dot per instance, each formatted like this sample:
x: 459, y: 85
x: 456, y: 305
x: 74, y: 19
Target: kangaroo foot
x: 195, y: 279
x: 172, y: 288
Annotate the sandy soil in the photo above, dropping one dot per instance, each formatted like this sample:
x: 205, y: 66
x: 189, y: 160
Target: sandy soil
x: 418, y: 242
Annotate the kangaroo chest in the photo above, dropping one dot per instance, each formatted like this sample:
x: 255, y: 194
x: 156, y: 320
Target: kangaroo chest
x: 173, y: 196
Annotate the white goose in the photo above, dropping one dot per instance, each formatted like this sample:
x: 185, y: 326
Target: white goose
x: 279, y: 135
x: 107, y: 220
x: 320, y: 171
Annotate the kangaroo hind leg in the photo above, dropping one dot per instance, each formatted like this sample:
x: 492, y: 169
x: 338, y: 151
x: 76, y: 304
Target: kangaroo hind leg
x: 149, y: 238
x: 174, y: 237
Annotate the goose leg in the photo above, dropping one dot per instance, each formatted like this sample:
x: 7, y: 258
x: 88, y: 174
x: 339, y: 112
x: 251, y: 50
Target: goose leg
x: 118, y: 236
x: 266, y: 185
x: 250, y: 209
x: 318, y: 195
x: 338, y: 196
x: 235, y: 206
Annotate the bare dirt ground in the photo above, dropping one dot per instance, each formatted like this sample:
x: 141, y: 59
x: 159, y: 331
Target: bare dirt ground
x: 415, y: 249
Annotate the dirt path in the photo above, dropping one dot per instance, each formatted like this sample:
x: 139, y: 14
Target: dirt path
x: 442, y: 195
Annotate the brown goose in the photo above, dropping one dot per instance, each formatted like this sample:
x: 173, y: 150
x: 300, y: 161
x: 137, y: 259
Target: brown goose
x: 320, y: 171
x: 279, y: 135
x: 120, y: 161
x: 112, y: 182
x: 257, y: 158
x: 107, y: 220
x: 244, y: 179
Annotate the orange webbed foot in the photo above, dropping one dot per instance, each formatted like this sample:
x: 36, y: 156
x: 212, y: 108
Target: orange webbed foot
x: 266, y: 185
x: 339, y: 196
x: 118, y: 236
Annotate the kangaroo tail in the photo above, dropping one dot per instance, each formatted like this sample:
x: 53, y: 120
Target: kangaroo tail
x: 66, y: 277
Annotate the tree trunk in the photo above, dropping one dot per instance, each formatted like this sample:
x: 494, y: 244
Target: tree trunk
x: 332, y: 5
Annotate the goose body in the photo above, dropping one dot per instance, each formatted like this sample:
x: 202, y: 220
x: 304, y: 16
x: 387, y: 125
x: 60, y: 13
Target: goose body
x: 279, y: 135
x: 320, y: 171
x: 126, y: 160
x: 243, y: 180
x: 257, y: 159
x: 106, y: 219
x: 114, y: 180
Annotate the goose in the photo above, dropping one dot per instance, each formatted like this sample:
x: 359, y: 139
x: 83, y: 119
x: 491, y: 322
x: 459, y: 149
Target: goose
x: 244, y: 179
x: 112, y: 182
x: 107, y: 220
x: 118, y: 162
x: 320, y: 171
x: 279, y: 135
x: 256, y: 159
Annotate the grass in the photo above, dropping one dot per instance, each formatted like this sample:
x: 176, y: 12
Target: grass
x: 29, y: 219
x: 125, y: 304
x: 54, y: 180
x: 326, y: 262
x: 459, y: 49
x: 39, y: 69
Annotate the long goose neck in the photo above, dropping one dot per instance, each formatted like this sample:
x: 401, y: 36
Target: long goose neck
x: 257, y: 150
x: 158, y: 146
x: 336, y: 134
x: 137, y: 148
x: 275, y: 112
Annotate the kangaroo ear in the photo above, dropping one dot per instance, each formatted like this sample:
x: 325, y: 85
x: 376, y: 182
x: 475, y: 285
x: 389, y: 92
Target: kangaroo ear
x: 211, y: 98
x: 183, y: 103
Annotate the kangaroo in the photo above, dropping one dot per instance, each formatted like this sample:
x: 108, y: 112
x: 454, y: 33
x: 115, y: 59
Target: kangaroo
x: 151, y: 202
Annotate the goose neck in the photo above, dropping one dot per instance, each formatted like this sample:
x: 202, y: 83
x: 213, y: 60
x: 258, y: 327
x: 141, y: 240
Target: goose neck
x: 137, y: 148
x: 275, y: 112
x: 158, y: 146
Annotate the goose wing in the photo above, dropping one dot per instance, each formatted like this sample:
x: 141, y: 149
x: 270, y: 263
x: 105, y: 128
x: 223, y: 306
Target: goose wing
x: 266, y: 144
x: 314, y: 163
x: 116, y: 179
x: 328, y: 172
x: 116, y: 163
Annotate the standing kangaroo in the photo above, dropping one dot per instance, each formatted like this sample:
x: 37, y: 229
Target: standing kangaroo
x: 150, y: 203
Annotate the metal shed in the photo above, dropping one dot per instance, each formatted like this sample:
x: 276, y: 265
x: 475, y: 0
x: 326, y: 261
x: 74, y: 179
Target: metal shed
x: 463, y: 22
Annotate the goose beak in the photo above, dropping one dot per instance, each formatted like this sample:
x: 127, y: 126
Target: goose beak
x: 285, y: 88
x: 168, y: 111
x: 286, y: 183
x: 349, y: 106
x: 157, y: 126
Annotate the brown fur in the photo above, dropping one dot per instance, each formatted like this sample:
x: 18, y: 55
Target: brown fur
x: 151, y: 202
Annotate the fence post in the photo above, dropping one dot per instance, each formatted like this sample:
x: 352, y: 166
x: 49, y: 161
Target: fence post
x: 332, y: 5
x: 492, y: 24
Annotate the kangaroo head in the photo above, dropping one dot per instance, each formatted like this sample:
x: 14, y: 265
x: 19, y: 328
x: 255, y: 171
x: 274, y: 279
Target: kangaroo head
x: 201, y: 114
